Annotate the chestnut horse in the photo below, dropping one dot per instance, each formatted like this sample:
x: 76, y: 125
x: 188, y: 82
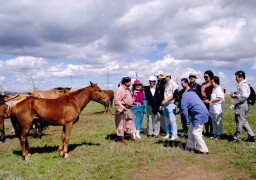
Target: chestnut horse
x: 50, y: 94
x: 64, y: 111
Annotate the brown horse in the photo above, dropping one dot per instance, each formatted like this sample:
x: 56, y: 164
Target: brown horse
x: 50, y: 94
x: 108, y: 100
x: 7, y: 102
x: 64, y: 111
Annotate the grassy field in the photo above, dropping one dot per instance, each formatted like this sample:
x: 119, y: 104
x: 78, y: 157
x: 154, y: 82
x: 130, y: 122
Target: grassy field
x: 96, y: 155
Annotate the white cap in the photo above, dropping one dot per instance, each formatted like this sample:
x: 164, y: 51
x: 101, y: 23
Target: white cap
x: 167, y: 74
x: 159, y: 73
x: 152, y: 78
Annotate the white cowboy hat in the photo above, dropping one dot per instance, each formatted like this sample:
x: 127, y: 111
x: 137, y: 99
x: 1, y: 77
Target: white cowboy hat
x: 152, y: 78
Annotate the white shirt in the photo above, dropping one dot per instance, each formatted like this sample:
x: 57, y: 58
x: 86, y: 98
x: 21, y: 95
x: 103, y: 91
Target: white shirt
x: 217, y: 107
x: 153, y: 90
x: 243, y: 91
x: 169, y: 89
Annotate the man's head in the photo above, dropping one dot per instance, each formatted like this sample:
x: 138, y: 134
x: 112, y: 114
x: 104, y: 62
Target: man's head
x: 152, y: 81
x: 240, y: 75
x: 208, y: 75
x: 159, y: 75
x: 192, y: 77
x: 184, y: 83
x: 215, y: 81
x: 167, y: 77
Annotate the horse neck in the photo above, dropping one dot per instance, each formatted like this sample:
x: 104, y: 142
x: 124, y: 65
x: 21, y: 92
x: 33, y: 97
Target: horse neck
x: 81, y: 97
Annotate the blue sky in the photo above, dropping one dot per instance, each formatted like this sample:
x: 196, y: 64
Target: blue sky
x: 68, y: 43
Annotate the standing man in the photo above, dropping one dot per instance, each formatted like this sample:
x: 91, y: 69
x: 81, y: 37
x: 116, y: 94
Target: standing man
x: 160, y: 85
x: 123, y: 117
x: 153, y: 97
x: 193, y: 85
x: 194, y: 109
x: 169, y: 108
x: 206, y: 91
x: 241, y: 107
x: 217, y: 108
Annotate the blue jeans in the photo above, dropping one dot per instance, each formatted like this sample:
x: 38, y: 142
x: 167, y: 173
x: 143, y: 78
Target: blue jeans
x: 169, y: 111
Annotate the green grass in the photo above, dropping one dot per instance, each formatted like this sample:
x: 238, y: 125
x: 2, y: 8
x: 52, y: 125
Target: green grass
x: 96, y: 156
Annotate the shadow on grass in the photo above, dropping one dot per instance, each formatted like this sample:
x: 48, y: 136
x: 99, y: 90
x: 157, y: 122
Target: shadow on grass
x: 172, y: 144
x: 50, y: 149
x: 227, y: 137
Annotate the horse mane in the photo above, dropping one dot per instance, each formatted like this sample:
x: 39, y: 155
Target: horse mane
x: 62, y: 88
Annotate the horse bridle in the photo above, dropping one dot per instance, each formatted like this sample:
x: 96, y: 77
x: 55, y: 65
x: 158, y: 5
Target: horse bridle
x: 95, y: 97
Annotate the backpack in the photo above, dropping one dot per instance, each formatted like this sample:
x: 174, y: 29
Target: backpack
x: 252, y: 97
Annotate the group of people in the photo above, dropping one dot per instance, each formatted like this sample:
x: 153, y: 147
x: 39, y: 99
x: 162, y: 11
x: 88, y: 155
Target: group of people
x: 198, y: 104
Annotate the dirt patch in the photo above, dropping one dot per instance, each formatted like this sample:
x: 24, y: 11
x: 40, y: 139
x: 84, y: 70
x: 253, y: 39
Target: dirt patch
x: 181, y: 169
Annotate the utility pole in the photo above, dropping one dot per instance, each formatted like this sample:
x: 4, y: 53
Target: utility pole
x: 33, y: 83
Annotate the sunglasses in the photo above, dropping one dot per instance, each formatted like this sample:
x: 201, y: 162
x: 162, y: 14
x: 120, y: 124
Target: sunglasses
x: 206, y: 77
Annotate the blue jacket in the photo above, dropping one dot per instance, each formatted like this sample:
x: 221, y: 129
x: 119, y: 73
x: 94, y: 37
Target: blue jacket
x: 193, y: 107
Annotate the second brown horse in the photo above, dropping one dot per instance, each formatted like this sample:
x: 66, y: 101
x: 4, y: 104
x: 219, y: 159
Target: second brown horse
x: 64, y: 110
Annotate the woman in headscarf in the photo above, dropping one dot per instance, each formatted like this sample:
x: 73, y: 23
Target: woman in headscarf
x: 123, y: 116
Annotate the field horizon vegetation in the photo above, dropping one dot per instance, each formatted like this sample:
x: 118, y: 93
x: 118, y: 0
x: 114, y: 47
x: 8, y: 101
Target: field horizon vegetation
x: 97, y: 154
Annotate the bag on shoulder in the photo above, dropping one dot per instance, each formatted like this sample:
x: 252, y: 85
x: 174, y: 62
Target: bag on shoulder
x: 251, y: 98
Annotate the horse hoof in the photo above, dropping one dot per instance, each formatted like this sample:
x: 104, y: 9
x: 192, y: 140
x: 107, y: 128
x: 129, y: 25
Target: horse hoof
x: 67, y: 157
x: 29, y: 155
x: 61, y: 153
x: 26, y: 158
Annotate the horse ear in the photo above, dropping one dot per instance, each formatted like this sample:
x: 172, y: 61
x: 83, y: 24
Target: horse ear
x: 91, y: 83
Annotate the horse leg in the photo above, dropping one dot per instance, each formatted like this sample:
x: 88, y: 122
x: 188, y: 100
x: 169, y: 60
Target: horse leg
x: 24, y: 143
x: 2, y: 134
x: 62, y: 142
x: 67, y: 136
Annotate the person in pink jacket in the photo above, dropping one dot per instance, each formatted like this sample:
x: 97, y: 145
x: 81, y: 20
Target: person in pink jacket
x: 123, y: 115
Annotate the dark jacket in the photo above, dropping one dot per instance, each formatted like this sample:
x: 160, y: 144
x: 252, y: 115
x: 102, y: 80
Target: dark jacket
x: 196, y: 88
x: 153, y: 101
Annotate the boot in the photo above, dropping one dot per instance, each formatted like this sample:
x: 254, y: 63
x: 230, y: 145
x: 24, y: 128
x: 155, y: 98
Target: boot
x: 133, y: 137
x: 122, y: 140
x: 250, y: 138
x: 138, y: 134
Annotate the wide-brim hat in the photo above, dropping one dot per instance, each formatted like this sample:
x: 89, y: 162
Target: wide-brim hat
x: 152, y: 78
x: 137, y: 82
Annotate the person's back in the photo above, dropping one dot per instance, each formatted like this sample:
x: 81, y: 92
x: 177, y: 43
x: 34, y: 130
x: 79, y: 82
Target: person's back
x: 192, y: 105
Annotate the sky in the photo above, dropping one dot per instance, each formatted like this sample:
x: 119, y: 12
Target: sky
x: 69, y: 43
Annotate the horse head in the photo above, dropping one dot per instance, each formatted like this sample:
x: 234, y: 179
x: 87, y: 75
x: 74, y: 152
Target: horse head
x: 97, y: 94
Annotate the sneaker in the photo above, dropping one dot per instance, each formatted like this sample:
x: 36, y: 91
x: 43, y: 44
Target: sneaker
x: 236, y: 139
x: 214, y: 137
x: 166, y: 137
x: 173, y: 138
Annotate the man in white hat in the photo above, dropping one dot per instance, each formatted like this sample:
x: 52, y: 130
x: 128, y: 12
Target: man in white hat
x: 153, y: 97
x: 160, y: 84
x: 169, y: 108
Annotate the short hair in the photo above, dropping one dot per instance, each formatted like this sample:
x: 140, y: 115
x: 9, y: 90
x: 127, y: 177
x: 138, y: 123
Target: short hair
x: 216, y: 80
x: 210, y: 73
x: 185, y: 80
x: 240, y: 74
